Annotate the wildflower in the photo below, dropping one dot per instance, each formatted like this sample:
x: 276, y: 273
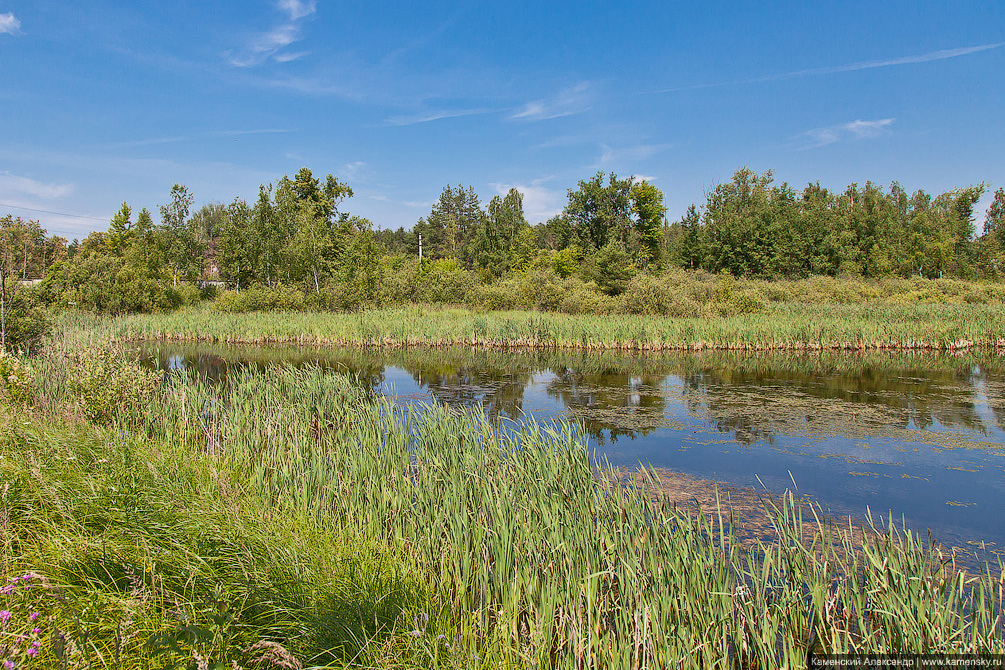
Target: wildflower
x: 33, y: 616
x: 32, y: 651
x: 5, y: 615
x: 8, y: 665
x: 36, y: 631
x: 416, y: 633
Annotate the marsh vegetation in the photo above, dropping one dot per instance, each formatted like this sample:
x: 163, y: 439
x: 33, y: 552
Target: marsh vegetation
x: 169, y: 519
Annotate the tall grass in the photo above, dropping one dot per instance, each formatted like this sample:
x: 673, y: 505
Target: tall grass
x: 787, y: 326
x: 531, y: 559
x: 536, y: 561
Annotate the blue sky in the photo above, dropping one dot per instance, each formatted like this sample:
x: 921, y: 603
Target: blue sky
x: 103, y: 102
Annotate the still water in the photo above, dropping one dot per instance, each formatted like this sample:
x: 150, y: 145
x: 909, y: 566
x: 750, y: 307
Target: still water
x: 918, y: 436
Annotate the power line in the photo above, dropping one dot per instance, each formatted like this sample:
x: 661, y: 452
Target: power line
x: 45, y: 211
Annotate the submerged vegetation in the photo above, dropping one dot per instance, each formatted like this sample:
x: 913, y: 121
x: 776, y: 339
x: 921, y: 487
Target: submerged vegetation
x: 294, y: 515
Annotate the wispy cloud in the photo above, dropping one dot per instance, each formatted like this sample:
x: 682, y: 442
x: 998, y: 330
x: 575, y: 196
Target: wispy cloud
x: 572, y: 100
x: 941, y: 54
x: 9, y: 24
x: 631, y: 154
x: 11, y: 184
x: 153, y: 141
x: 269, y: 43
x: 297, y: 9
x: 540, y: 203
x: 426, y: 117
x: 855, y: 130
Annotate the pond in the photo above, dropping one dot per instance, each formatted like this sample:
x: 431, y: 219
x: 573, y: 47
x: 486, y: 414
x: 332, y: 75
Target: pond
x: 919, y: 436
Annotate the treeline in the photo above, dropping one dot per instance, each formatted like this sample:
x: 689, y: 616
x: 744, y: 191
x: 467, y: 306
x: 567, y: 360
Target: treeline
x: 297, y: 248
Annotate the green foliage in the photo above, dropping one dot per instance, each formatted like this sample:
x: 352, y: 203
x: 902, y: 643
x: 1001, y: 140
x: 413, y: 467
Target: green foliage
x: 109, y: 386
x: 254, y: 299
x: 15, y: 379
x: 624, y: 212
x: 103, y: 283
x: 444, y: 281
x: 25, y: 321
x: 611, y: 268
x: 652, y: 296
x: 566, y: 261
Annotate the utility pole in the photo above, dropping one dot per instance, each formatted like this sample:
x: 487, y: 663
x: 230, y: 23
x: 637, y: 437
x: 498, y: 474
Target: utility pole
x: 420, y: 247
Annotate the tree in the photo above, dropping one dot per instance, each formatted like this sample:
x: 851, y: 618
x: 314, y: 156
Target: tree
x: 741, y: 226
x: 626, y: 211
x: 120, y: 231
x: 497, y: 233
x: 183, y: 251
x: 451, y: 224
x: 237, y: 248
x: 320, y: 234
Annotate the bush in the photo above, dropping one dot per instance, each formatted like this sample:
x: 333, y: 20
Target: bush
x: 655, y: 296
x: 493, y: 297
x: 290, y: 298
x: 583, y: 298
x: 254, y: 299
x: 108, y: 385
x: 15, y: 379
x: 25, y: 320
x: 444, y: 280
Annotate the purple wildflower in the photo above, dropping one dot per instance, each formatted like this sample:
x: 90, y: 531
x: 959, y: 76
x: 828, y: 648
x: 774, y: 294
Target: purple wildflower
x: 8, y: 665
x: 32, y: 616
x: 5, y: 615
x: 32, y: 651
x: 36, y: 631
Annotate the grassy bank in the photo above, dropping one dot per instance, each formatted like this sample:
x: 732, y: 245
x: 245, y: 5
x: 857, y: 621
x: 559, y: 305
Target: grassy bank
x: 294, y: 509
x: 783, y: 326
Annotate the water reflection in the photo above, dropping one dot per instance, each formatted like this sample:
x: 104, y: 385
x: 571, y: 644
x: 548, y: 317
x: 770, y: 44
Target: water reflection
x: 920, y: 435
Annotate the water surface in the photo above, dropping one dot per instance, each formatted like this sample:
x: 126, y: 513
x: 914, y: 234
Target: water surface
x: 916, y: 435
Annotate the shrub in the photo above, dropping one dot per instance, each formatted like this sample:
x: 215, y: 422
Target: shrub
x: 444, y: 280
x: 290, y: 298
x: 25, y: 320
x: 108, y: 385
x: 254, y: 299
x: 15, y: 379
x: 655, y: 296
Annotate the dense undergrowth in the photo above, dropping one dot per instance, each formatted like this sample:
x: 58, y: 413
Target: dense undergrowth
x: 156, y: 521
x: 673, y: 292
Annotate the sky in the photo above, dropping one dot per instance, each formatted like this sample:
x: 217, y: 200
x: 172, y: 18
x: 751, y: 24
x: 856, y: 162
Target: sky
x: 104, y: 102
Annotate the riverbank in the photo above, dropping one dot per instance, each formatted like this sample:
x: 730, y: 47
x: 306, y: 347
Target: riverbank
x: 782, y: 327
x: 296, y: 509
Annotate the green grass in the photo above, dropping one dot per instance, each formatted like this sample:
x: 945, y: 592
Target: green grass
x: 294, y: 506
x: 785, y: 326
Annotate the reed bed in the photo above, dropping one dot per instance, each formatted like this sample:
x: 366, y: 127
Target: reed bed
x: 526, y: 557
x: 782, y: 327
x: 538, y: 562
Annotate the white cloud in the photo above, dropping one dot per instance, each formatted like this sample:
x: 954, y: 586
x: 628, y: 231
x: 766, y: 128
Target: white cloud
x: 855, y: 130
x: 286, y: 58
x: 540, y: 203
x: 434, y: 116
x: 11, y: 184
x: 297, y: 9
x: 941, y: 54
x: 9, y: 24
x: 267, y: 44
x: 630, y: 154
x: 568, y: 101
